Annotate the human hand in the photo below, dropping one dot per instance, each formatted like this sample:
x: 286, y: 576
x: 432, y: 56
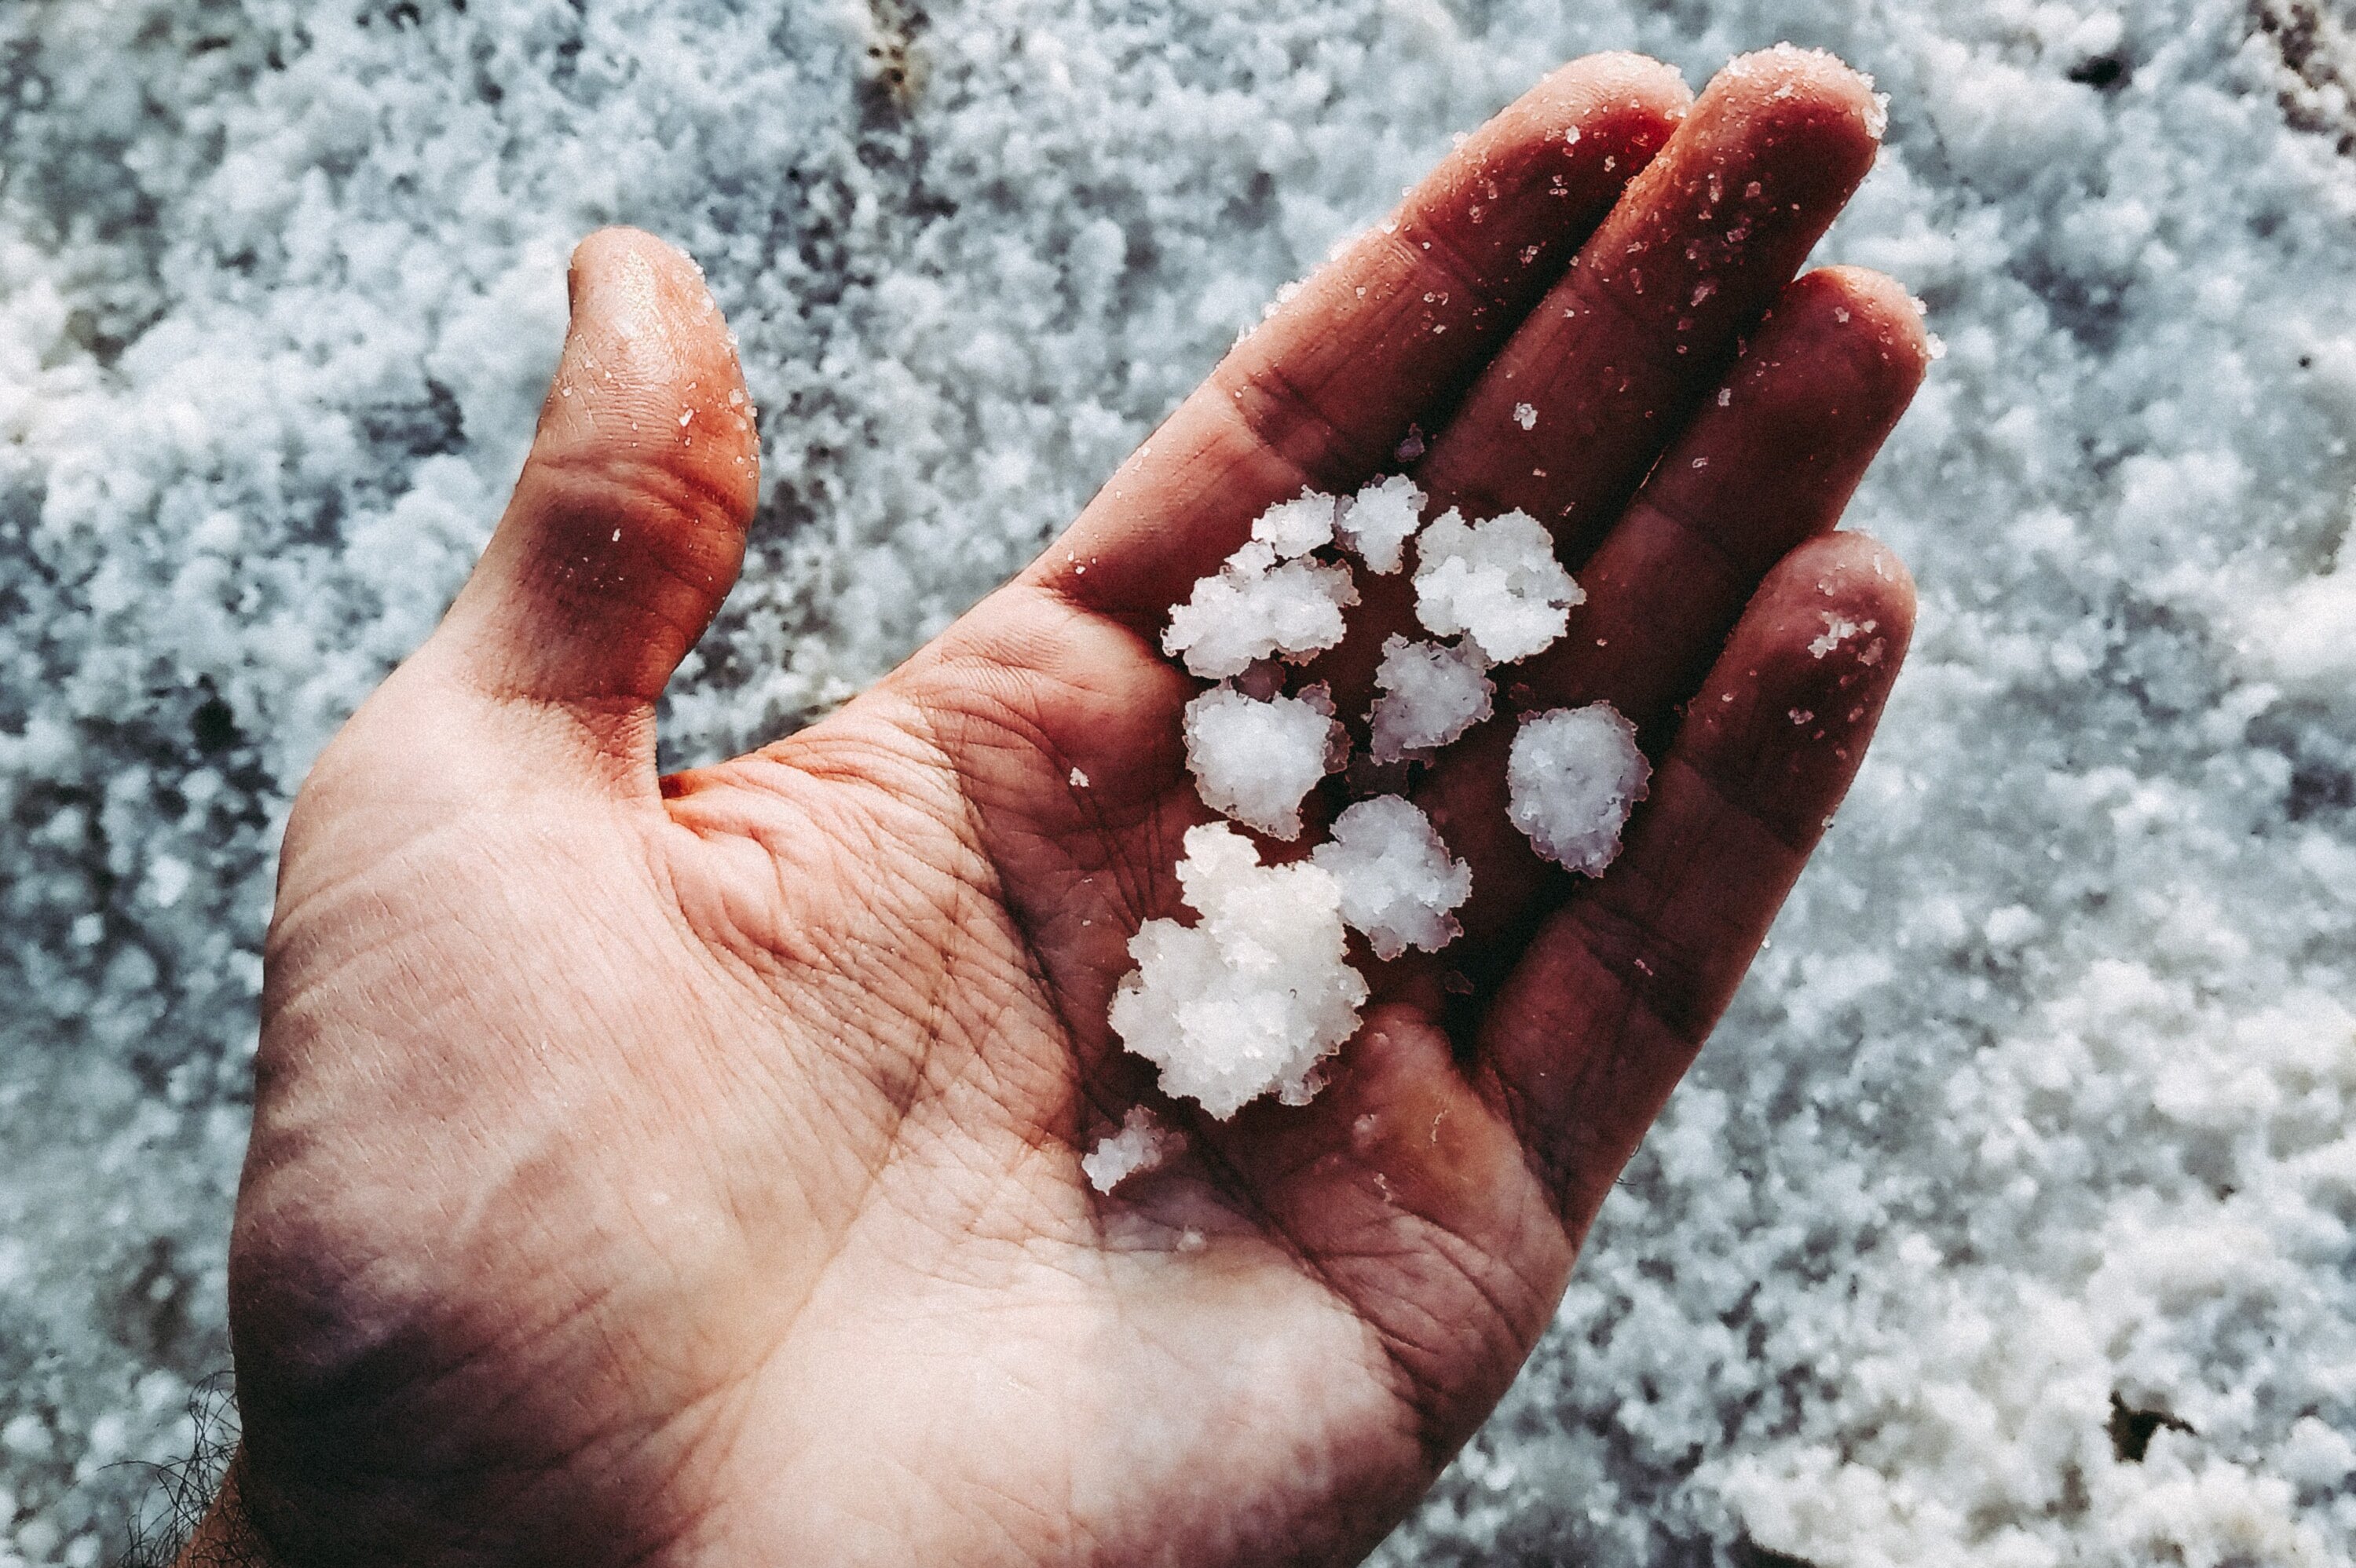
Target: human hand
x: 687, y: 1170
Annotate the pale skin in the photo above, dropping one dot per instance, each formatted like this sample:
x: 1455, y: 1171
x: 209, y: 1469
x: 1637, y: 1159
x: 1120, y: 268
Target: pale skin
x: 685, y: 1170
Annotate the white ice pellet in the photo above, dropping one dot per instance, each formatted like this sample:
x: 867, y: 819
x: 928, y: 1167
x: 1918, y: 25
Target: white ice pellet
x: 1143, y: 1143
x: 1254, y: 995
x: 1573, y: 776
x: 1398, y: 882
x: 1377, y: 523
x: 1255, y: 760
x: 1295, y: 527
x: 1431, y: 693
x: 1497, y: 581
x: 1255, y: 606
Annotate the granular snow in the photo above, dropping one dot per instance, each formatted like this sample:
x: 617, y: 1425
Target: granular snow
x: 280, y: 289
x: 1247, y: 1001
x: 1397, y: 880
x: 1255, y: 760
x: 1430, y: 694
x: 1495, y: 581
x: 1377, y: 523
x: 1256, y: 606
x: 1573, y: 776
x: 1141, y: 1144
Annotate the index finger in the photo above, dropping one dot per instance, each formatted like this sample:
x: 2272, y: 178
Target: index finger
x: 1385, y: 337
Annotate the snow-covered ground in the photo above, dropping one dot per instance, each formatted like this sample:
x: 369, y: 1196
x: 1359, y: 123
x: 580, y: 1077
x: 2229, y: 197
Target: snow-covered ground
x: 2030, y: 1121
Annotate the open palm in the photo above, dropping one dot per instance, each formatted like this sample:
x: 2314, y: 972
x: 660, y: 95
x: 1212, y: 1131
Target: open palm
x: 688, y: 1169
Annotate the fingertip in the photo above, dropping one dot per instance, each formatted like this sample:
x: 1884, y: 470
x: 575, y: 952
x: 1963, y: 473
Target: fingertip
x: 1837, y: 611
x: 1824, y: 379
x: 1782, y: 725
x: 1576, y: 139
x: 620, y: 256
x: 649, y: 446
x: 1870, y: 319
x: 634, y: 281
x: 1880, y: 571
x: 606, y: 254
x: 1782, y: 130
x: 1803, y: 91
x: 1622, y: 79
x: 1859, y: 575
x: 1774, y: 458
x: 1613, y: 110
x: 649, y: 351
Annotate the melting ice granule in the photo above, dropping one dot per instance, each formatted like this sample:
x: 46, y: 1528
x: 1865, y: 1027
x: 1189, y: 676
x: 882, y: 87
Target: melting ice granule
x: 1252, y: 997
x: 1431, y: 693
x: 1399, y: 884
x: 1377, y: 523
x: 1143, y: 1143
x: 1497, y: 581
x: 1254, y: 760
x: 1572, y: 778
x: 1255, y: 606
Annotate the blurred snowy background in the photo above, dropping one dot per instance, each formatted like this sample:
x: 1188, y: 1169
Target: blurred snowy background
x: 2009, y: 1217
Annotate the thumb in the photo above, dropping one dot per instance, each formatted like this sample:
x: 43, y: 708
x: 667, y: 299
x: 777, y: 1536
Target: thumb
x: 627, y: 526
